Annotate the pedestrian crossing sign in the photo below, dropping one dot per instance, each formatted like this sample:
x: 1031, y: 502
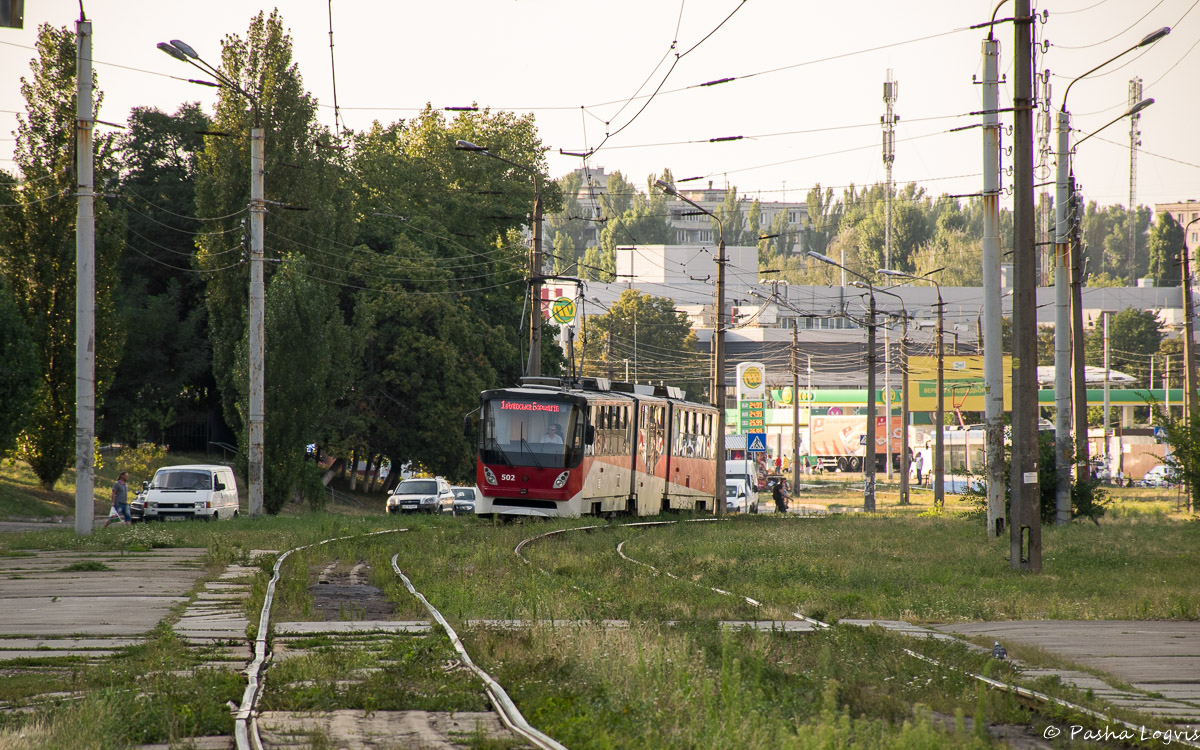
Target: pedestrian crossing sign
x: 756, y: 442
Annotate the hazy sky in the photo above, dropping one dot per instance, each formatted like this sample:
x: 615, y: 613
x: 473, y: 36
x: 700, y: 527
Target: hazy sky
x: 807, y: 99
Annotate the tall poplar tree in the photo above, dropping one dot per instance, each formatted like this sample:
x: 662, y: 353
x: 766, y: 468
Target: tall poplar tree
x: 37, y: 253
x: 306, y: 223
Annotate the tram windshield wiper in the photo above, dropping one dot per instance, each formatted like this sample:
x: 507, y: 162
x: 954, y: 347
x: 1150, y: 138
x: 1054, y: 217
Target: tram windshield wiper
x: 494, y: 445
x: 532, y: 456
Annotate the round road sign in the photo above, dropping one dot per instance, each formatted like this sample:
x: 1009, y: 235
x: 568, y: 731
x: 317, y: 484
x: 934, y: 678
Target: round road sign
x: 563, y: 310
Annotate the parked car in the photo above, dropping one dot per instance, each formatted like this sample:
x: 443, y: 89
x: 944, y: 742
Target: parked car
x: 194, y: 491
x: 137, y: 508
x: 739, y: 498
x: 1160, y: 476
x: 427, y: 495
x: 464, y: 499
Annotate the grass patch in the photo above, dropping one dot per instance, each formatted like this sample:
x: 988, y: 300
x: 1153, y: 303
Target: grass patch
x: 673, y: 677
x: 84, y: 566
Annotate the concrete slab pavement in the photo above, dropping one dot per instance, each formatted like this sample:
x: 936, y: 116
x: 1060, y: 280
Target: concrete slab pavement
x: 1160, y: 660
x: 42, y: 597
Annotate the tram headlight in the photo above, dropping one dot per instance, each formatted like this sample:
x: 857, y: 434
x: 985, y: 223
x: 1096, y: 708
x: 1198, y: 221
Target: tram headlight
x: 489, y: 476
x: 561, y: 481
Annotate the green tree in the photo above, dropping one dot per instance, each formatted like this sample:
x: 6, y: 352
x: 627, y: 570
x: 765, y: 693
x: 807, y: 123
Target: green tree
x: 1164, y: 245
x: 442, y: 265
x: 38, y: 254
x: 301, y: 172
x: 310, y: 350
x: 736, y: 232
x: 19, y: 376
x: 643, y: 220
x: 165, y: 372
x: 1134, y: 335
x: 656, y: 340
x: 824, y: 218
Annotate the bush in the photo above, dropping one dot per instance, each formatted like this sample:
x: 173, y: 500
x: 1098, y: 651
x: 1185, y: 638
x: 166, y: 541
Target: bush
x: 141, y: 462
x: 1088, y: 498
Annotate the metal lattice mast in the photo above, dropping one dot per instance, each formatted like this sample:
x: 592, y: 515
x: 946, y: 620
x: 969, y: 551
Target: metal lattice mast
x: 890, y: 88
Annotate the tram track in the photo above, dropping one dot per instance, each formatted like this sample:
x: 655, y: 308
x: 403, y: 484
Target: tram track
x: 247, y: 730
x: 1037, y: 701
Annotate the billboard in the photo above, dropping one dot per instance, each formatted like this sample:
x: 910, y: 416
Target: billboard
x: 962, y: 380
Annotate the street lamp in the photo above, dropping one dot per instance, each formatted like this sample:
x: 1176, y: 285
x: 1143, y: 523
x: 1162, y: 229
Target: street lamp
x: 534, y: 365
x: 1062, y: 314
x: 257, y: 355
x: 718, y: 382
x: 939, y: 438
x: 869, y: 452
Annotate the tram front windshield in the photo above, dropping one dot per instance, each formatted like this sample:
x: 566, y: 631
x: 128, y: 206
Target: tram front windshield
x: 531, y: 432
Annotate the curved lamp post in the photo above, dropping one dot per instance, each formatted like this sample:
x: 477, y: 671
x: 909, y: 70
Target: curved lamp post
x: 257, y: 355
x: 1062, y: 314
x: 718, y: 381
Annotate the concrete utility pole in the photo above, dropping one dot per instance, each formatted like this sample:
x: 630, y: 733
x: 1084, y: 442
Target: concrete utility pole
x: 1062, y: 329
x: 1025, y: 533
x: 1190, y: 410
x: 939, y: 437
x: 535, y: 275
x: 795, y: 406
x: 258, y: 356
x: 904, y: 414
x: 85, y: 286
x: 869, y: 452
x: 1107, y: 374
x: 1135, y: 96
x: 1078, y: 369
x: 718, y: 375
x: 993, y: 353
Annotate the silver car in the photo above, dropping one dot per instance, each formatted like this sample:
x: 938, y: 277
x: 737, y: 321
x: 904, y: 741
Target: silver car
x: 464, y: 500
x: 427, y: 495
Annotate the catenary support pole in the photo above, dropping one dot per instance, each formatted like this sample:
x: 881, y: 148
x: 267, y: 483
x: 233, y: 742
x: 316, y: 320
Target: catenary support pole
x: 1078, y: 370
x: 993, y: 352
x: 1190, y: 410
x: 795, y: 406
x: 257, y: 317
x: 904, y: 448
x: 535, y: 275
x: 939, y: 435
x: 85, y: 286
x: 1062, y: 326
x: 1108, y: 459
x: 869, y: 448
x: 1025, y: 533
x: 719, y: 372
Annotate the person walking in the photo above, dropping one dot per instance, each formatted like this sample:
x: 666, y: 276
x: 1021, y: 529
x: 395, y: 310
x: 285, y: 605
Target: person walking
x: 778, y: 496
x: 919, y: 465
x: 120, y: 501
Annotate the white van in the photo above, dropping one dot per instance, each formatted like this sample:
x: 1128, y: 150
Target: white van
x: 743, y: 469
x: 200, y: 491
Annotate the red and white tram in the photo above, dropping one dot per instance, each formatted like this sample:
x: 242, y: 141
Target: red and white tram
x: 561, y: 447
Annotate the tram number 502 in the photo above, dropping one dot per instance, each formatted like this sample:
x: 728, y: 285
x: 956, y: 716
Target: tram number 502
x: 508, y: 477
